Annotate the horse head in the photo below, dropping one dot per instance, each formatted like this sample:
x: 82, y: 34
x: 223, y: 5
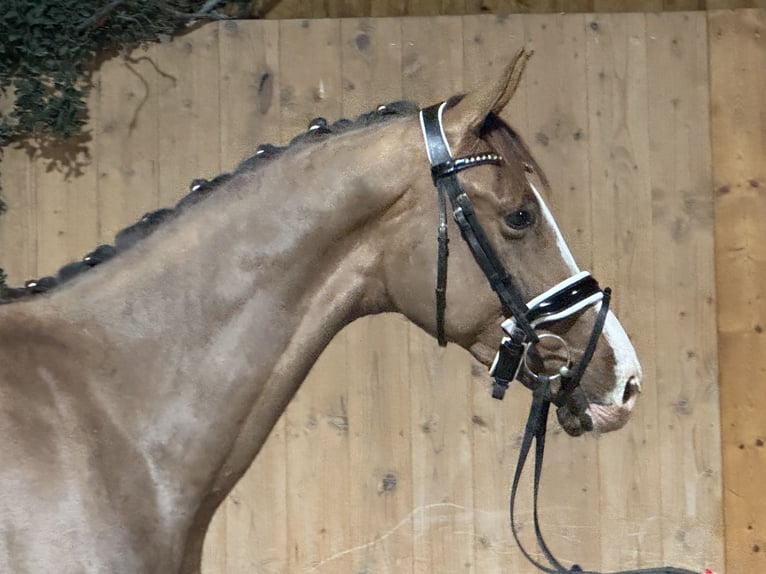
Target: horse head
x: 514, y: 246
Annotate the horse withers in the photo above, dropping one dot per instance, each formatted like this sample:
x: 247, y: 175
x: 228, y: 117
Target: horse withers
x: 137, y: 391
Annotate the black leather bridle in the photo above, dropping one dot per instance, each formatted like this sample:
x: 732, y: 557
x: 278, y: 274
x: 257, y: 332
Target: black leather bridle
x: 568, y: 297
x: 563, y: 300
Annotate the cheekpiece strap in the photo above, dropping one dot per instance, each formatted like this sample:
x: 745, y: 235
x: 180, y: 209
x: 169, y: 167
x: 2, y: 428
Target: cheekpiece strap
x: 444, y: 171
x: 439, y: 153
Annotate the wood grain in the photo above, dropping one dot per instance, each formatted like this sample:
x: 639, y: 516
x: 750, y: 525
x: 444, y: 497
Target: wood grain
x: 623, y: 254
x: 496, y: 425
x: 189, y: 117
x: 18, y: 226
x: 248, y: 91
x: 288, y: 9
x: 310, y: 85
x: 738, y: 124
x: 441, y: 426
x: 684, y: 277
x: 377, y: 365
x: 127, y: 142
x: 393, y: 458
x: 557, y: 133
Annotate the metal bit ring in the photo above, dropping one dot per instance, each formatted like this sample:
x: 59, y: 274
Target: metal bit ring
x: 562, y: 371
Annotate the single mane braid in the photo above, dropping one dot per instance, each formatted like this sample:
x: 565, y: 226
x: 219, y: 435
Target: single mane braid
x: 318, y: 130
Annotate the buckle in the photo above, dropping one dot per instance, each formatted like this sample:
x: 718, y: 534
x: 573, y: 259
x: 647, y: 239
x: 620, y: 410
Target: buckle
x: 508, y: 361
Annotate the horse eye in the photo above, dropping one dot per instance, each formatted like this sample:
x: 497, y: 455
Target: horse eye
x: 520, y: 219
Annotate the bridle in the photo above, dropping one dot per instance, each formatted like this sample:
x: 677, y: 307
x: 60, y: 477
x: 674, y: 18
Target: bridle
x: 563, y: 300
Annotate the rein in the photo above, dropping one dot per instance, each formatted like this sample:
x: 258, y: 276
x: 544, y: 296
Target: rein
x: 535, y: 432
x: 563, y: 300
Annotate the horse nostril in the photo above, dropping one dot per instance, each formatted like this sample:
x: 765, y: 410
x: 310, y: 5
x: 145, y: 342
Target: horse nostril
x: 632, y: 388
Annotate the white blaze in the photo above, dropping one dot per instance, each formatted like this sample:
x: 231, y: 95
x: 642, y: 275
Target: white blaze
x: 566, y: 254
x: 626, y: 361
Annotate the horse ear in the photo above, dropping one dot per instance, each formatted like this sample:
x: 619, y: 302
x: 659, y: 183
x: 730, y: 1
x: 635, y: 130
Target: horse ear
x: 467, y: 116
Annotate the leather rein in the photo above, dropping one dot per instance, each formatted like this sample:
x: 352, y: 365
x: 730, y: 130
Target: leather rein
x: 563, y: 300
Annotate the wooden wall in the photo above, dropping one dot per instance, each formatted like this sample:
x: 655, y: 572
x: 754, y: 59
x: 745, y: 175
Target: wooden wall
x: 284, y: 9
x: 738, y: 124
x: 393, y: 458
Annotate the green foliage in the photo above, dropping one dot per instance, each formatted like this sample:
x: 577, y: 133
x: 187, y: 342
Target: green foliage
x: 48, y: 49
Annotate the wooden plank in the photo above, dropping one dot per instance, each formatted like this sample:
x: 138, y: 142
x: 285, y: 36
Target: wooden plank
x: 126, y: 141
x: 249, y: 88
x: 310, y: 83
x: 387, y: 9
x: 488, y: 44
x: 607, y: 6
x: 347, y: 8
x: 683, y: 5
x: 737, y: 64
x: 380, y: 522
x: 189, y: 118
x: 502, y: 7
x: 18, y: 226
x: 682, y: 213
x: 81, y: 187
x: 287, y: 9
x: 249, y: 116
x: 317, y: 419
x: 53, y: 195
x: 441, y: 426
x: 377, y: 496
x: 372, y: 63
x: 623, y: 251
x: 380, y: 467
x: 424, y: 8
x: 429, y: 59
x: 556, y: 114
x: 452, y: 7
x: 557, y: 133
x: 734, y: 4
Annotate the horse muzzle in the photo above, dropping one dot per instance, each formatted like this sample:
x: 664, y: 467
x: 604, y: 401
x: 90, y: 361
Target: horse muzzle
x: 569, y: 297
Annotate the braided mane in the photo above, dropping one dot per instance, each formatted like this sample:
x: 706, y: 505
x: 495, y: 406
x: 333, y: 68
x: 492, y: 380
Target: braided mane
x: 318, y: 130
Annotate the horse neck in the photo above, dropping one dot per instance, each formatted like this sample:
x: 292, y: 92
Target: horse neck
x: 206, y: 329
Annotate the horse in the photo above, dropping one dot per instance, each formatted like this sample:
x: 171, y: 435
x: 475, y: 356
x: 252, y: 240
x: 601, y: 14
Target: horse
x: 138, y: 385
